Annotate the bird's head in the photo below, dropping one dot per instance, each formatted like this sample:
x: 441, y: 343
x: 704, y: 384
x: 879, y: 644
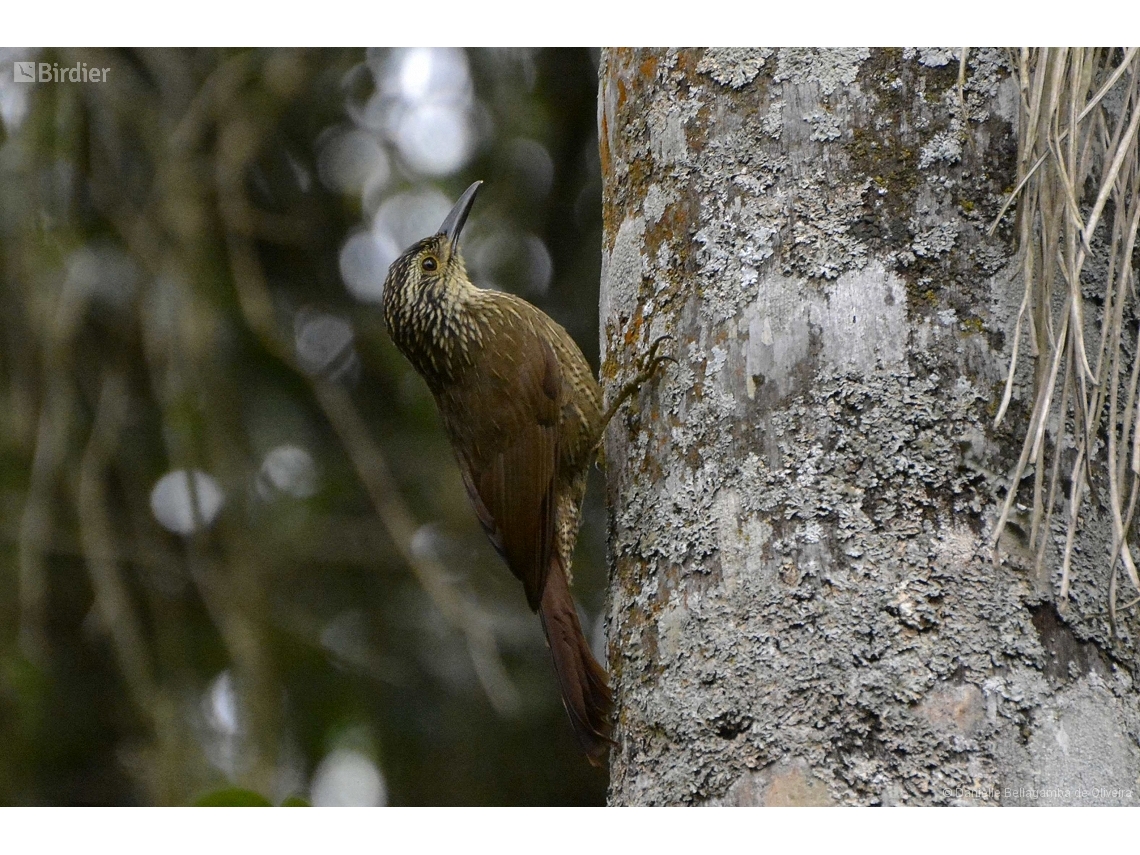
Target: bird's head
x: 424, y: 291
x: 432, y: 267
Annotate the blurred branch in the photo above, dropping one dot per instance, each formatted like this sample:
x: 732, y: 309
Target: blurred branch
x: 111, y: 597
x: 362, y: 658
x: 219, y: 88
x: 36, y: 520
x: 373, y: 471
x: 113, y: 603
x: 336, y: 539
x: 51, y: 447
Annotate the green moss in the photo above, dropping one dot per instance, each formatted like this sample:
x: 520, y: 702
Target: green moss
x: 997, y: 390
x: 880, y: 154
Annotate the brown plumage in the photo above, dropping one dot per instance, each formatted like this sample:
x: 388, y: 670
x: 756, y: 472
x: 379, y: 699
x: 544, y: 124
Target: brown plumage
x: 524, y: 415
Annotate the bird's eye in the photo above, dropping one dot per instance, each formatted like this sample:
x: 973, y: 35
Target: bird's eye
x: 429, y: 264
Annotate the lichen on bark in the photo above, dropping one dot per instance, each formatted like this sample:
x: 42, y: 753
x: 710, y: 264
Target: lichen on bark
x: 804, y: 605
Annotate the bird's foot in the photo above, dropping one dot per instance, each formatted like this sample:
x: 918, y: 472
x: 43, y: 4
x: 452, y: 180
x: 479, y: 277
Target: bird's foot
x: 648, y: 365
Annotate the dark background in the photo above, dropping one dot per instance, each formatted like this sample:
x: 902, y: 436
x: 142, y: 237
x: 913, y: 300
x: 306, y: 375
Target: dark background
x: 191, y: 256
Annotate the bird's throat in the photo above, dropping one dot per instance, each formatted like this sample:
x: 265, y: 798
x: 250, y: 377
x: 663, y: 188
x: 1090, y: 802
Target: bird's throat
x: 438, y: 332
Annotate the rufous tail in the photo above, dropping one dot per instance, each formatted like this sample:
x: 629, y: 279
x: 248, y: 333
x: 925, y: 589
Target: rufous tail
x: 585, y: 690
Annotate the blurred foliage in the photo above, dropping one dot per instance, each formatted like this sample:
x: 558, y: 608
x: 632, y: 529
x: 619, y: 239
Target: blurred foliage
x: 232, y: 797
x: 190, y: 255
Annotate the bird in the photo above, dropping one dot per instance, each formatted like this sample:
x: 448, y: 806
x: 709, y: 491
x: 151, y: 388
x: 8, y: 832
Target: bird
x: 524, y: 416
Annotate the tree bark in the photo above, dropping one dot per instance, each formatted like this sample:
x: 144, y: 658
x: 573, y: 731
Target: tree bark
x: 806, y: 607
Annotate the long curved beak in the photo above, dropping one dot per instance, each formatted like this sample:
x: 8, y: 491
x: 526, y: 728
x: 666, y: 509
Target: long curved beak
x: 453, y: 222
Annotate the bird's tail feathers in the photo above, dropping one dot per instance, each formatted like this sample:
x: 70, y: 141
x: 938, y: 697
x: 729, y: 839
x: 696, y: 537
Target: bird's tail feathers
x: 585, y: 688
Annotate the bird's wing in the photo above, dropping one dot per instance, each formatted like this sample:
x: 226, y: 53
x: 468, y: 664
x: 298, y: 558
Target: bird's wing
x: 509, y: 465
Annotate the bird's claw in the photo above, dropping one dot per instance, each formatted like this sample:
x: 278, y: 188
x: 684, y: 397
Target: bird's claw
x: 647, y: 367
x: 652, y: 361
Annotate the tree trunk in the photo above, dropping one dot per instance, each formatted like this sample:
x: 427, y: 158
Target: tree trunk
x: 805, y: 606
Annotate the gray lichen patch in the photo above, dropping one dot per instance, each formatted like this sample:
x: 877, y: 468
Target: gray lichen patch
x: 621, y: 275
x: 828, y: 68
x: 935, y: 239
x: 938, y: 57
x: 825, y: 127
x: 944, y: 146
x: 654, y: 203
x: 735, y: 67
x: 835, y: 604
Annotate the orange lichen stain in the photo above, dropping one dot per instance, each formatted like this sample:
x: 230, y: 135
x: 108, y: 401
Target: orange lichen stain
x: 668, y: 581
x: 640, y: 171
x: 604, y: 142
x: 687, y: 61
x: 632, y: 192
x: 672, y: 229
x: 633, y: 331
x: 609, y: 225
x: 651, y: 469
x: 624, y: 56
x: 694, y: 459
x: 648, y: 67
x: 621, y: 96
x: 609, y: 368
x: 630, y: 336
x: 696, y: 129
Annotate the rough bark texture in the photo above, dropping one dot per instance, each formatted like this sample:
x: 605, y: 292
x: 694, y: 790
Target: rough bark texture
x: 805, y: 605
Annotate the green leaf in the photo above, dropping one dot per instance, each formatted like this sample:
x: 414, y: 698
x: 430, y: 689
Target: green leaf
x: 232, y: 797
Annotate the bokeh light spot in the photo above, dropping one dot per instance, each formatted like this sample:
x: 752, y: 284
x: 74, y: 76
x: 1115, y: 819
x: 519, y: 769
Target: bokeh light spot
x: 104, y: 273
x: 364, y: 261
x: 172, y: 501
x: 531, y: 166
x: 426, y: 101
x: 221, y: 705
x: 348, y: 778
x: 14, y: 97
x: 350, y: 159
x: 434, y: 139
x: 287, y: 469
x: 325, y: 346
x: 539, y: 266
x: 404, y: 219
x: 423, y: 74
